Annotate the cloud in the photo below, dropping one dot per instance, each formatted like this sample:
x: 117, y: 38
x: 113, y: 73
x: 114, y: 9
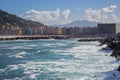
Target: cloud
x: 109, y: 9
x: 46, y: 16
x: 66, y: 13
x: 102, y: 15
x: 41, y: 15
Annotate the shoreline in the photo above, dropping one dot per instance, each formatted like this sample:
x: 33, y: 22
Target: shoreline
x: 113, y: 43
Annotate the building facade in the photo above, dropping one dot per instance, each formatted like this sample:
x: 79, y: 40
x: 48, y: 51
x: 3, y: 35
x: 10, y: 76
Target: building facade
x: 117, y: 28
x: 109, y: 28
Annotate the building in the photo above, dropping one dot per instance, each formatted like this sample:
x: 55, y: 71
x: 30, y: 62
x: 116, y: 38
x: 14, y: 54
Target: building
x: 108, y: 28
x: 10, y: 30
x: 59, y: 31
x: 117, y: 28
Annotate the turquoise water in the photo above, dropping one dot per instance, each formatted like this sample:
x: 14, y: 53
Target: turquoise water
x: 53, y: 60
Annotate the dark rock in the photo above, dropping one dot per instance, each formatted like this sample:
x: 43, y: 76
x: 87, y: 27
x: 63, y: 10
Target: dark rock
x: 116, y: 54
x: 106, y: 49
x: 113, y: 42
x: 118, y: 69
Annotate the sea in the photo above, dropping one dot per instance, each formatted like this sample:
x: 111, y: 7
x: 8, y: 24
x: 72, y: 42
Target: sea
x: 55, y: 60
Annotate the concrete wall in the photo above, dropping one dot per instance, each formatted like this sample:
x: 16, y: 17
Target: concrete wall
x: 117, y: 28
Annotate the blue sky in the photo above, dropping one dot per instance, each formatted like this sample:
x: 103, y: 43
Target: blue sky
x: 63, y: 11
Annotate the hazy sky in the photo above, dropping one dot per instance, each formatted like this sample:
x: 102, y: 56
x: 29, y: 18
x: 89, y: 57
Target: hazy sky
x: 64, y: 11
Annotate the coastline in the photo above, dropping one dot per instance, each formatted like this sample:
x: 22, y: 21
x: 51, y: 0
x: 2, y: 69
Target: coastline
x: 113, y: 43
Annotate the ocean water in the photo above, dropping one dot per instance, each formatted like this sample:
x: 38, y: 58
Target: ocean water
x: 55, y: 60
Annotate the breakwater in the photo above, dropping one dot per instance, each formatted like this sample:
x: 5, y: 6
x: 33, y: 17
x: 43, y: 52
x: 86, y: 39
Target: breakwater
x: 32, y: 37
x: 91, y: 39
x: 113, y: 42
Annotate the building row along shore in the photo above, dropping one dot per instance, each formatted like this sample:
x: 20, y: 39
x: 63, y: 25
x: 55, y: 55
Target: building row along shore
x: 99, y: 31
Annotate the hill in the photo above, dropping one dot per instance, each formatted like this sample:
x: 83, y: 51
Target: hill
x: 7, y: 19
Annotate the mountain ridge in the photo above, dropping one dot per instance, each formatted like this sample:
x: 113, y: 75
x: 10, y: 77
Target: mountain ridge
x: 83, y: 23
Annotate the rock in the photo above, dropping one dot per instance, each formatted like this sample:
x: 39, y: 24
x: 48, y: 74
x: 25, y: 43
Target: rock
x: 116, y: 54
x: 113, y: 42
x: 106, y: 49
x: 118, y: 69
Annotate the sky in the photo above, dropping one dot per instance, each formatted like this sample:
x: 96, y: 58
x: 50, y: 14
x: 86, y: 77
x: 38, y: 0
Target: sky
x: 56, y: 12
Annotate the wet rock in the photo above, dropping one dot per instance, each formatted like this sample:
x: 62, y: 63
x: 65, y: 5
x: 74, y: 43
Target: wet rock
x: 116, y: 54
x: 118, y: 69
x: 113, y: 42
x: 106, y: 49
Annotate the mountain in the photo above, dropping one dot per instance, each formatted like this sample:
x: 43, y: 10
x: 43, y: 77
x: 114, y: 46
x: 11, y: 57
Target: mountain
x: 83, y: 23
x: 7, y: 19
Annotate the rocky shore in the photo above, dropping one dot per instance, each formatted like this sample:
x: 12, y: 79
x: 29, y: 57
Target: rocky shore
x: 113, y: 42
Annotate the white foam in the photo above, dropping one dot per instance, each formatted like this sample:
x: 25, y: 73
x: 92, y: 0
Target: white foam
x: 32, y: 45
x: 16, y: 47
x: 38, y: 51
x: 19, y: 55
x: 2, y: 70
x: 13, y: 67
x: 33, y: 76
x: 17, y: 78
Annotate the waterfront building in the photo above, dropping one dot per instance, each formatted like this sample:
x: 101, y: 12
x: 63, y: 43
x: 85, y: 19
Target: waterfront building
x: 10, y: 30
x: 64, y: 31
x: 58, y: 31
x: 20, y: 31
x: 27, y: 31
x: 109, y: 28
